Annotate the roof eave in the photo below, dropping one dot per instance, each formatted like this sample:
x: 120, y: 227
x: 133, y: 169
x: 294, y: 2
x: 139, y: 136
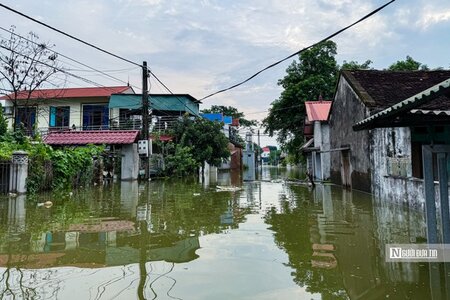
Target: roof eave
x: 405, y: 105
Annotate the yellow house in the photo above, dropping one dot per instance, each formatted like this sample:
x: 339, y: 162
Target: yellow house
x: 62, y: 109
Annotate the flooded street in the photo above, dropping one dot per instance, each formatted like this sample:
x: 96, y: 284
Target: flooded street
x: 178, y: 239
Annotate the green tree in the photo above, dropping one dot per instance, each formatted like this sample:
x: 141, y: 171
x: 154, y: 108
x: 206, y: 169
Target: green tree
x: 232, y: 112
x: 205, y: 139
x: 409, y: 64
x: 313, y: 76
x: 354, y: 65
x: 180, y: 161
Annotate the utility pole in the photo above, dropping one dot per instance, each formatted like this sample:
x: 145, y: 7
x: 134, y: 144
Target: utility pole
x: 145, y: 111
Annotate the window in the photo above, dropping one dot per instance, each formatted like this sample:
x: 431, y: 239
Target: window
x: 59, y: 116
x: 26, y: 117
x: 95, y: 116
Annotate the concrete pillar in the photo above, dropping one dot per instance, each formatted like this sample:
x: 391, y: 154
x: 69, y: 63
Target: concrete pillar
x: 71, y: 239
x: 19, y: 172
x: 249, y: 165
x: 130, y: 162
x: 212, y: 174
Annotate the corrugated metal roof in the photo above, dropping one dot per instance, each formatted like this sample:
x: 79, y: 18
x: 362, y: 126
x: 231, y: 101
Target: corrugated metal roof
x: 96, y: 137
x: 89, y: 92
x: 177, y: 102
x: 317, y: 110
x: 407, y: 104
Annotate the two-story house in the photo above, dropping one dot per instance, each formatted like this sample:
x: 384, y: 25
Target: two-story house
x: 62, y: 109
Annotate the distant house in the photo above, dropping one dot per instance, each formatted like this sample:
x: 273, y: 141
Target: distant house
x: 379, y: 122
x: 62, y: 109
x: 317, y: 132
x: 232, y: 133
x: 265, y: 155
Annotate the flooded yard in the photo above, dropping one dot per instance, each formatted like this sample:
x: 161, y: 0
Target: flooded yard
x: 179, y: 239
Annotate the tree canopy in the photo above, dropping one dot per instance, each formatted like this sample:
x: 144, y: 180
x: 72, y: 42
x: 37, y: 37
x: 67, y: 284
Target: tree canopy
x: 205, y: 139
x: 232, y: 112
x: 409, y: 64
x: 313, y: 76
x: 354, y: 65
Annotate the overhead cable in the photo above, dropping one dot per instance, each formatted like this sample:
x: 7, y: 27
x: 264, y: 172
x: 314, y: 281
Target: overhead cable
x: 298, y: 52
x: 69, y: 35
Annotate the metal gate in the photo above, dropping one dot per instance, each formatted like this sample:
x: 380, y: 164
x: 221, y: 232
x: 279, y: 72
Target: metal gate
x: 9, y: 176
x: 5, y: 171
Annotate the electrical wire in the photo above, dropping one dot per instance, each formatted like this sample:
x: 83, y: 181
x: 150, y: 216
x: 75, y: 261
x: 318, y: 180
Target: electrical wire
x: 85, y: 43
x: 57, y: 69
x: 278, y: 109
x: 298, y: 52
x: 67, y: 57
x: 70, y: 36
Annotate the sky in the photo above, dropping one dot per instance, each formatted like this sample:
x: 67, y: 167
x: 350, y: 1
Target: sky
x: 199, y: 47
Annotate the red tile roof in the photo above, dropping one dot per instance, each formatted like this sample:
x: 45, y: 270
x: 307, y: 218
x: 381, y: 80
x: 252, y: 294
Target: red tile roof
x: 96, y: 137
x: 88, y: 92
x: 317, y: 110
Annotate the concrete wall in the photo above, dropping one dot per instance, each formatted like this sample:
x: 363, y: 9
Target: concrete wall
x: 130, y: 162
x: 322, y: 141
x: 396, y: 143
x: 346, y: 110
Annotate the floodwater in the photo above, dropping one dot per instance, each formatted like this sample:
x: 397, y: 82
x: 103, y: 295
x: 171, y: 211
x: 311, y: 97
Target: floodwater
x: 179, y: 239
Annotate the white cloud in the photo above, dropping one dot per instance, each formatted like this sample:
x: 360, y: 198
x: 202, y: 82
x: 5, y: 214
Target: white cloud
x: 432, y: 16
x: 199, y: 47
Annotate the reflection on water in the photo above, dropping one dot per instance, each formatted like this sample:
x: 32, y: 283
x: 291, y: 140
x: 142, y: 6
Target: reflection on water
x: 177, y: 239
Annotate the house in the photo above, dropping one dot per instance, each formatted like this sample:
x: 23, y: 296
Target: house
x: 166, y: 110
x: 62, y: 109
x: 317, y: 133
x: 230, y: 129
x: 265, y: 155
x: 379, y: 123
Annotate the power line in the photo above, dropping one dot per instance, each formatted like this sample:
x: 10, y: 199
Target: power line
x: 90, y: 45
x: 69, y: 35
x: 160, y: 82
x: 300, y: 51
x: 56, y: 68
x: 284, y: 108
x: 67, y: 57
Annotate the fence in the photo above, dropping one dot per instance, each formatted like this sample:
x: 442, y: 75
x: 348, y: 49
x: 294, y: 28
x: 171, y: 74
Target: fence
x: 13, y: 174
x: 9, y: 176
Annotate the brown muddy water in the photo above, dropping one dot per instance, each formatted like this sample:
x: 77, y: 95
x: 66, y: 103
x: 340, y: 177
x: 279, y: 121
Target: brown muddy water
x: 179, y: 239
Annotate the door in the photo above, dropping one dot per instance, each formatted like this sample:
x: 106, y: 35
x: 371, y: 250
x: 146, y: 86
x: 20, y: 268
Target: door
x: 346, y: 169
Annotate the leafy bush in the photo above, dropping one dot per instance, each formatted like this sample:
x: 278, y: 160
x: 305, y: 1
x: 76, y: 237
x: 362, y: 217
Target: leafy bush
x: 51, y: 169
x: 181, y: 162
